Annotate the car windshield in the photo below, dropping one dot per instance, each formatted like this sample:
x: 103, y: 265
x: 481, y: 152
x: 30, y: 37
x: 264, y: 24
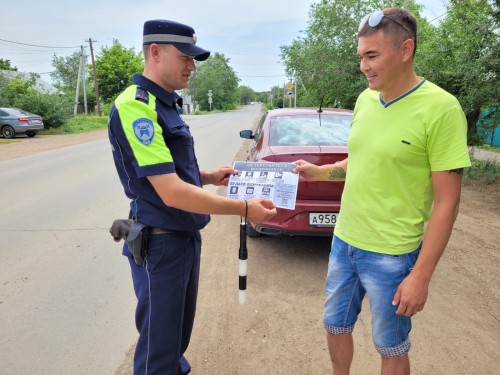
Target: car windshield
x: 313, y: 129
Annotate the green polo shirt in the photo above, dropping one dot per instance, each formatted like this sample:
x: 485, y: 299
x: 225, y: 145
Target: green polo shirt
x: 393, y: 149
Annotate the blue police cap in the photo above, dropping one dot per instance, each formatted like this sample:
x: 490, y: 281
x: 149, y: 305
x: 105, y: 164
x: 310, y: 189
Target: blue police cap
x: 171, y: 32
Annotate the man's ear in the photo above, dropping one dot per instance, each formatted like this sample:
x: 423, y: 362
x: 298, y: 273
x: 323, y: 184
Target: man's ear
x: 154, y: 51
x: 407, y: 48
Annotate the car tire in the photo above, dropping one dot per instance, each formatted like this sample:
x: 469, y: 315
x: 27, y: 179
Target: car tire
x: 8, y: 132
x: 251, y: 232
x: 31, y: 134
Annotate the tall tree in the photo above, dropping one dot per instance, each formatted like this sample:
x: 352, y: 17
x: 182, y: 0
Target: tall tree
x: 246, y: 94
x: 65, y: 72
x: 115, y: 67
x: 324, y: 57
x: 6, y: 65
x: 463, y: 57
x: 216, y: 75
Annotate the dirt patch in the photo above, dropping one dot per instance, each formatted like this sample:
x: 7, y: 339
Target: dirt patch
x: 280, y: 331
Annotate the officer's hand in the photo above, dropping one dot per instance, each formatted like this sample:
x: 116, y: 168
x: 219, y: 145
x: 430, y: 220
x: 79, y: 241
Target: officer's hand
x: 260, y: 210
x: 217, y: 177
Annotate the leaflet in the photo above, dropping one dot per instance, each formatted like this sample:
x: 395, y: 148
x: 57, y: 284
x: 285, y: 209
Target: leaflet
x: 273, y: 181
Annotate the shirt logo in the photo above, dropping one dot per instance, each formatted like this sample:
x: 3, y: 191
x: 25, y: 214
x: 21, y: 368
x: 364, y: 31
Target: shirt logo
x: 144, y: 130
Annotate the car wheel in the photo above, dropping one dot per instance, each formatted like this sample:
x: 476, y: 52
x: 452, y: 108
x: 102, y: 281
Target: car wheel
x: 251, y: 232
x: 8, y: 131
x: 31, y: 134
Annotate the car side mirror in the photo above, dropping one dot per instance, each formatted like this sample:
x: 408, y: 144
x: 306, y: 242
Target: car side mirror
x: 246, y: 134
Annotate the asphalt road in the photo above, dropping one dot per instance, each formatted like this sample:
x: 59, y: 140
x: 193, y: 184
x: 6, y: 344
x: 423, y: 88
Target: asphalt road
x: 66, y: 297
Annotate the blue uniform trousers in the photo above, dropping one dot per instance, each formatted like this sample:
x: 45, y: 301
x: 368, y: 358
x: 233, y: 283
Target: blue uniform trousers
x: 166, y: 290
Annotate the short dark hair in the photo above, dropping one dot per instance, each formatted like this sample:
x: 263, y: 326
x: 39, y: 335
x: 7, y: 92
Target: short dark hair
x: 399, y: 23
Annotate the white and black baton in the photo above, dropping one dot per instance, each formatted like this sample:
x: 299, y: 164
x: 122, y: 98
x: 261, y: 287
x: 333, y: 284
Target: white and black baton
x: 243, y: 256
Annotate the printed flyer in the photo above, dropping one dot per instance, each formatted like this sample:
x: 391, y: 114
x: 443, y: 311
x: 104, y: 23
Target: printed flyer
x: 273, y: 181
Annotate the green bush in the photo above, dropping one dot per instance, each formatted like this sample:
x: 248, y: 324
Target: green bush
x: 106, y: 108
x: 54, y: 108
x: 486, y: 171
x: 474, y: 139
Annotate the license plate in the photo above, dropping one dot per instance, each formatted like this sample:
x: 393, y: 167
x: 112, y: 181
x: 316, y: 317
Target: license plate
x: 322, y: 219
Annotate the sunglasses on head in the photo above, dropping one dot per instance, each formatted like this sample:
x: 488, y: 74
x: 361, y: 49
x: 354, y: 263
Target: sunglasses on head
x: 374, y: 19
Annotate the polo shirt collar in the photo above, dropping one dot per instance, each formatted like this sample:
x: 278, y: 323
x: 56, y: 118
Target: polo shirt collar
x: 166, y: 97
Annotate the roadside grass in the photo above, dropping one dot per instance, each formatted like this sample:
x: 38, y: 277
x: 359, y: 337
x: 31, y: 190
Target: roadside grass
x: 79, y: 124
x: 4, y: 141
x: 482, y: 171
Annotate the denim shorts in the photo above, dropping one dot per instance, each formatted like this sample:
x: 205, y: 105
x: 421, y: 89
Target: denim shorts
x: 352, y: 273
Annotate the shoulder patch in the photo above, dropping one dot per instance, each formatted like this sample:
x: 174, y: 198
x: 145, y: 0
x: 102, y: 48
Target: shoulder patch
x: 142, y: 95
x: 144, y: 130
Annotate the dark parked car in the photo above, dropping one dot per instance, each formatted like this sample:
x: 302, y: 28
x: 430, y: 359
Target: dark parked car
x: 317, y: 136
x: 16, y: 121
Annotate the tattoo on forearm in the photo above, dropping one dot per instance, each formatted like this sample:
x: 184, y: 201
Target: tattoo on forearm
x: 457, y: 171
x: 337, y: 174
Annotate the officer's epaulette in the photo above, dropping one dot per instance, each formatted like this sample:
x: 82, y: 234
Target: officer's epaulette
x: 142, y: 95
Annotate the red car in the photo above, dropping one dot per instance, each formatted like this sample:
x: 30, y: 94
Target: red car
x: 317, y: 136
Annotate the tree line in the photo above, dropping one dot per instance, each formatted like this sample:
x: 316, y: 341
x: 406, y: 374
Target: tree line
x: 115, y: 66
x: 459, y: 51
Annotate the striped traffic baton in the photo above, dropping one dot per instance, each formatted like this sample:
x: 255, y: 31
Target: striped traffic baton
x: 243, y: 256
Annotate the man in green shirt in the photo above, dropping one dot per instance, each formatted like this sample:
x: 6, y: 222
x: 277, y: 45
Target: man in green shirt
x: 407, y: 150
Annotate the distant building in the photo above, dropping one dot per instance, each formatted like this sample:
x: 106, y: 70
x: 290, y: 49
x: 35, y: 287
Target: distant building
x: 40, y: 85
x: 490, y: 133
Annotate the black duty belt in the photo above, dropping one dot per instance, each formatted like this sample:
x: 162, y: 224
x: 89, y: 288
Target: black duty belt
x: 160, y: 231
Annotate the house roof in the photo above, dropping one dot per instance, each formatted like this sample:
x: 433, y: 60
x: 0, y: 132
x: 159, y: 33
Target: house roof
x: 40, y: 85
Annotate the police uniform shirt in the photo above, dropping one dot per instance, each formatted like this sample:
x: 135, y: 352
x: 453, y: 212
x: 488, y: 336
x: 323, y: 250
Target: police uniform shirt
x: 148, y: 137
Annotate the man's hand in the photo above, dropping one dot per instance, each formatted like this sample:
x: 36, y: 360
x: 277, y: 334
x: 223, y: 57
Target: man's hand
x: 217, y: 177
x: 260, y: 210
x: 327, y: 172
x: 308, y: 171
x: 411, y: 296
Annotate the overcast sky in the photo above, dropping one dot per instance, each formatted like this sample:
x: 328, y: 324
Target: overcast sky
x: 249, y: 33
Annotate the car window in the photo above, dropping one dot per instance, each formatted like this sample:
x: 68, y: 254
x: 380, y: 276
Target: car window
x: 258, y: 131
x: 302, y: 130
x: 3, y: 114
x: 22, y: 112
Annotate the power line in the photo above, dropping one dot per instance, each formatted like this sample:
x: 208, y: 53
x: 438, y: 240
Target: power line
x: 438, y: 16
x: 34, y: 45
x: 282, y: 75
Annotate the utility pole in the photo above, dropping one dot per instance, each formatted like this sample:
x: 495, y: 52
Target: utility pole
x: 295, y: 95
x: 84, y: 79
x: 81, y: 77
x: 99, y: 111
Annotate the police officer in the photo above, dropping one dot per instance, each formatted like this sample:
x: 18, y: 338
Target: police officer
x: 155, y: 160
